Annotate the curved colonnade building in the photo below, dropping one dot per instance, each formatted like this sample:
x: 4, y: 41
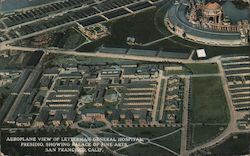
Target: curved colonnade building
x: 205, y: 23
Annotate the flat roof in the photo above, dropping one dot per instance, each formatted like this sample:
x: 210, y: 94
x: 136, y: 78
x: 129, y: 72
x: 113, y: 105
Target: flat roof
x: 201, y: 53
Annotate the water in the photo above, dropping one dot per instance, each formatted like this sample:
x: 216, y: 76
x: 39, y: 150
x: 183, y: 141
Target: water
x: 234, y: 13
x: 11, y: 5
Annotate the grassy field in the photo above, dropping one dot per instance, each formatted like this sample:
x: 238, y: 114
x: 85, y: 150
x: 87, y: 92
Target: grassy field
x: 140, y: 26
x: 150, y: 132
x: 208, y: 106
x: 184, y: 71
x: 203, y: 68
x: 203, y: 133
x: 73, y: 39
x: 132, y: 26
x: 172, y: 142
x: 235, y: 145
x: 57, y: 60
x: 67, y: 38
x: 93, y: 60
x: 208, y: 101
x: 145, y: 150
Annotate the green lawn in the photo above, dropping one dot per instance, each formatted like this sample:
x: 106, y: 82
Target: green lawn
x: 237, y: 145
x: 184, y: 71
x: 172, y: 142
x: 145, y: 150
x: 203, y: 68
x: 208, y: 106
x: 205, y: 133
x: 140, y: 26
x: 94, y: 60
x: 159, y: 20
x: 67, y: 38
x: 132, y: 26
x: 208, y: 102
x: 150, y: 132
x: 56, y: 60
x: 199, y: 68
x: 73, y: 39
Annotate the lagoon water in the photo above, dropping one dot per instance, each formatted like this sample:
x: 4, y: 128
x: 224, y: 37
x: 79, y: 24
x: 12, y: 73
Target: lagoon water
x: 235, y: 14
x: 11, y: 5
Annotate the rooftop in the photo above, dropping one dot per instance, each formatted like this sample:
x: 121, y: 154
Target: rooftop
x: 212, y: 6
x: 201, y: 53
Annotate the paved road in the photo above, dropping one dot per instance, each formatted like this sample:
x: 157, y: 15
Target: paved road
x: 184, y: 132
x: 107, y: 55
x: 157, y: 41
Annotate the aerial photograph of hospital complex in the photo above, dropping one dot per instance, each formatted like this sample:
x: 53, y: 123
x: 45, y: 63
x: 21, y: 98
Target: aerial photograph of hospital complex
x: 124, y: 78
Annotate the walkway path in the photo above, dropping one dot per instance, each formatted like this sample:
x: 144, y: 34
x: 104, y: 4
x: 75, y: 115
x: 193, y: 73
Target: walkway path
x: 157, y: 41
x: 184, y: 132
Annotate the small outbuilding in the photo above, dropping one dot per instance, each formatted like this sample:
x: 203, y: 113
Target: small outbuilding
x: 201, y: 53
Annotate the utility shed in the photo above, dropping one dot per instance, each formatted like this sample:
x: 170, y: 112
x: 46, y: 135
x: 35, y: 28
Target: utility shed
x: 201, y: 53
